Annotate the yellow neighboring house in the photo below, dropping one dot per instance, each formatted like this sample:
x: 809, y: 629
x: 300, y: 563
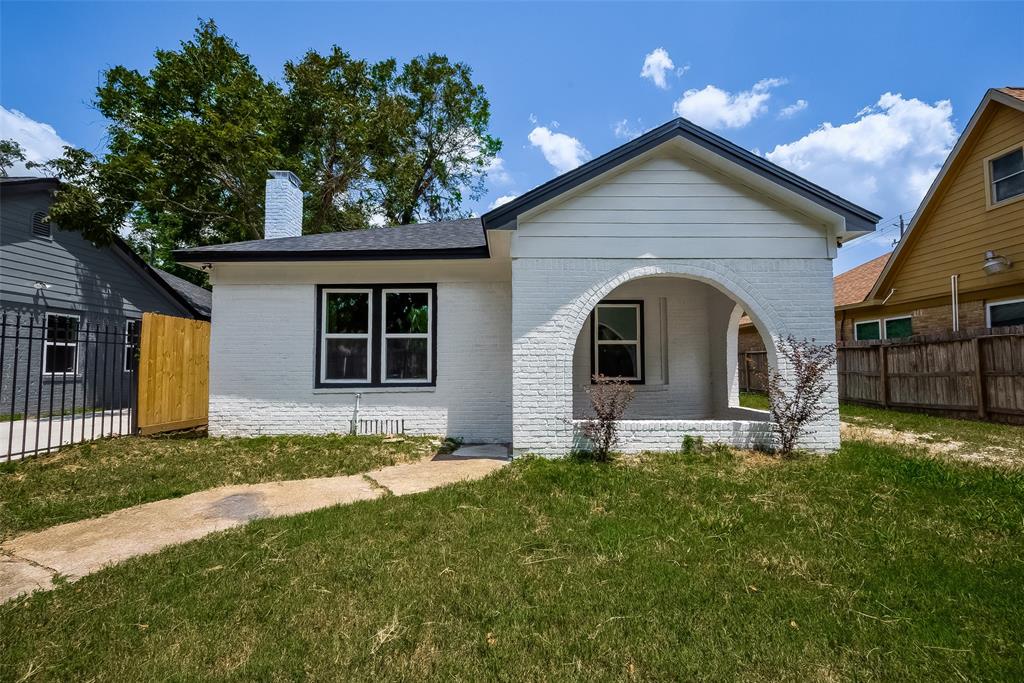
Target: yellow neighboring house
x: 960, y: 264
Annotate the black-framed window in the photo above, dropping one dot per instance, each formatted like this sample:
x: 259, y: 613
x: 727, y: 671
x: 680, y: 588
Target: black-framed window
x: 60, y: 355
x: 376, y: 335
x: 617, y: 340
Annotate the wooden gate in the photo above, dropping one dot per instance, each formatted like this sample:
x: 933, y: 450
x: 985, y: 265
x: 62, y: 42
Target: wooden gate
x: 174, y: 373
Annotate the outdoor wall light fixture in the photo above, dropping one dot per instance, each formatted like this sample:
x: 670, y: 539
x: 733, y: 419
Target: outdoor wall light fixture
x: 994, y: 263
x: 41, y: 285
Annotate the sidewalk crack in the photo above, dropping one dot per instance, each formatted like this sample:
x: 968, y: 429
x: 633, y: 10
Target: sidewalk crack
x: 377, y: 485
x: 19, y: 558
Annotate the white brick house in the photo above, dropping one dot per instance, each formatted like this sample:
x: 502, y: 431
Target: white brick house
x: 485, y: 329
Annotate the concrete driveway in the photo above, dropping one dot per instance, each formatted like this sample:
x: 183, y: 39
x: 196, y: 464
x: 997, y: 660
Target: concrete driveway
x: 22, y: 438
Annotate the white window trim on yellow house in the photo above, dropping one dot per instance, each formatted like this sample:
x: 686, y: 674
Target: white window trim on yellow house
x: 990, y: 202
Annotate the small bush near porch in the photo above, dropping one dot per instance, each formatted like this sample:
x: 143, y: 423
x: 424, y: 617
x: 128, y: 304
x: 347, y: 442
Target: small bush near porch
x: 875, y: 564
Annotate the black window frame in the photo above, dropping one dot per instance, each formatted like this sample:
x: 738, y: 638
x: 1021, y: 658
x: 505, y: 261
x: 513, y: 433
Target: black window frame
x: 376, y: 336
x: 641, y: 346
x: 67, y: 342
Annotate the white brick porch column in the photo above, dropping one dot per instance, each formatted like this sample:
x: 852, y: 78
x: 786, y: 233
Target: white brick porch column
x: 552, y: 297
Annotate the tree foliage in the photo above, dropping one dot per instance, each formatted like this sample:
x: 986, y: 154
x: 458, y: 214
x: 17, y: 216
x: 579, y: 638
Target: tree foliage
x: 10, y: 154
x: 191, y: 140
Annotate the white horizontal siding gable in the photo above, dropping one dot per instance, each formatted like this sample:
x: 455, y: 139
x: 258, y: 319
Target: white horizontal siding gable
x: 643, y: 208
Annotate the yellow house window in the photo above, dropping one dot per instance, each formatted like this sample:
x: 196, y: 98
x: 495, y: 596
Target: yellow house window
x: 1005, y: 172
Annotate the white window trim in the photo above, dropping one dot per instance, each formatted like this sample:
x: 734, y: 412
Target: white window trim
x: 885, y: 332
x: 47, y: 343
x: 619, y: 342
x: 990, y: 304
x: 129, y: 346
x: 881, y: 329
x: 990, y: 184
x: 385, y: 335
x: 324, y: 335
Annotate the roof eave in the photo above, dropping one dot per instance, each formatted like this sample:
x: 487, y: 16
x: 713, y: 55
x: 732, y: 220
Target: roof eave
x: 199, y: 256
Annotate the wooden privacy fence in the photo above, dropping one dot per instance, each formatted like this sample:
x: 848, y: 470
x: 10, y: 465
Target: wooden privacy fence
x: 976, y: 375
x: 174, y: 369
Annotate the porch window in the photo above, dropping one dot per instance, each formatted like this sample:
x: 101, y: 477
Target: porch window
x: 1005, y: 313
x: 618, y: 340
x: 60, y: 355
x: 380, y: 335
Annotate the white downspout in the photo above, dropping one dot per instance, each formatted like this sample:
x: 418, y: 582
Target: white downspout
x: 354, y: 425
x: 954, y: 290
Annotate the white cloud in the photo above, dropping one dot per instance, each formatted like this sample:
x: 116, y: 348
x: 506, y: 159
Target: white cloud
x: 562, y: 151
x: 497, y: 172
x: 502, y: 200
x: 884, y: 160
x: 657, y: 64
x: 39, y: 140
x: 792, y: 109
x: 627, y: 131
x: 713, y: 107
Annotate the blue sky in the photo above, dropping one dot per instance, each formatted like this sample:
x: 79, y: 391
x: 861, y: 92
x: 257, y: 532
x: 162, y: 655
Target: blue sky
x: 863, y: 98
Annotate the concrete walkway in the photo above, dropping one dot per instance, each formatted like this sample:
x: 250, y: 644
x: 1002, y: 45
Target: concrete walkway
x: 29, y: 562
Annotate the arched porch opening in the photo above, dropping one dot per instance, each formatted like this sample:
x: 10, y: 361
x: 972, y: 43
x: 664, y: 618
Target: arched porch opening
x: 675, y: 337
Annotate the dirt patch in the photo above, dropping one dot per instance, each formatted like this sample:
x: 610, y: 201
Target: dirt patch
x: 936, y: 446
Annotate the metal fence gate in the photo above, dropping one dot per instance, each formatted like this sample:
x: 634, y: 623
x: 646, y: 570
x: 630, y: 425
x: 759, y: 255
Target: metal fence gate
x: 63, y: 381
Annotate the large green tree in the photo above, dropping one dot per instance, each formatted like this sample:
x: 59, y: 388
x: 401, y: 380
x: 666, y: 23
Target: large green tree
x: 190, y: 143
x: 441, y: 148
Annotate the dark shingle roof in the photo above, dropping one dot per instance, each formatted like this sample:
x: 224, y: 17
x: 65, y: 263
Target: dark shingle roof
x: 200, y: 299
x: 447, y: 239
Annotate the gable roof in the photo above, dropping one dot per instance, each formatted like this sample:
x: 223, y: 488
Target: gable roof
x: 1009, y: 96
x: 200, y: 299
x: 853, y: 286
x: 858, y: 219
x: 180, y: 291
x: 463, y: 238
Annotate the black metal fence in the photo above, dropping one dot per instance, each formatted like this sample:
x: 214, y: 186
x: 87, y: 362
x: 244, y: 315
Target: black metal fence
x: 64, y: 380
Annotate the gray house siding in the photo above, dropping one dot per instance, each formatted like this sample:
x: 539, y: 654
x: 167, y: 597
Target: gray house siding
x: 103, y: 286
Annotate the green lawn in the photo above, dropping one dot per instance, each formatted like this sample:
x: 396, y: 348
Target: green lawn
x: 872, y: 565
x: 92, y: 479
x: 971, y: 434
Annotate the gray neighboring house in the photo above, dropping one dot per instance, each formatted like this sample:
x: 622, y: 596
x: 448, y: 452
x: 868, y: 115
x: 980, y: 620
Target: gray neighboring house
x: 71, y: 288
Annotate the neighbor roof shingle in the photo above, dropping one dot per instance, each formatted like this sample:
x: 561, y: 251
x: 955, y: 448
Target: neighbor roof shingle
x: 1013, y: 92
x: 200, y: 299
x: 855, y: 284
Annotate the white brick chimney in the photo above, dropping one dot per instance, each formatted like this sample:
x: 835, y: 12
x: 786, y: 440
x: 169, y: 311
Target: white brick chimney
x: 283, y: 206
